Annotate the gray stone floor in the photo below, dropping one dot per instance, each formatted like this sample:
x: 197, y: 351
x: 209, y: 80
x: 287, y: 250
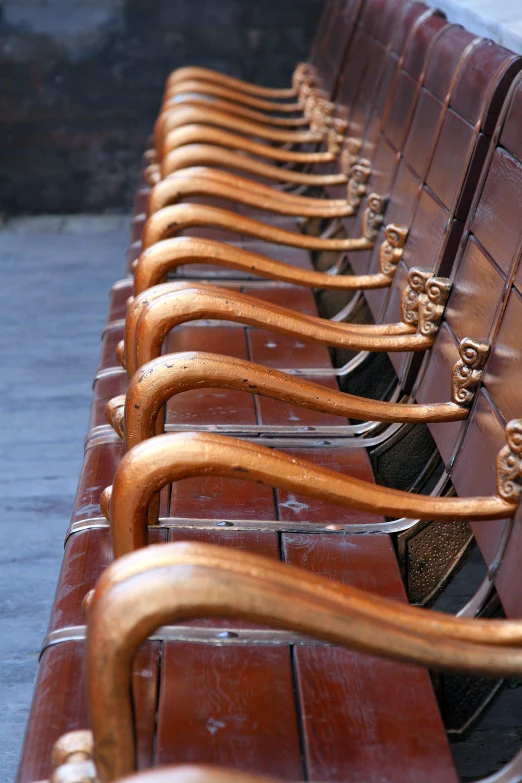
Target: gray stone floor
x: 55, y: 276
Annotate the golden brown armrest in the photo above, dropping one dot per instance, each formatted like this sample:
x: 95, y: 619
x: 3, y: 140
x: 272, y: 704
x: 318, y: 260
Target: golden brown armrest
x: 169, y: 304
x: 170, y: 583
x: 165, y: 192
x: 161, y: 379
x: 212, y: 155
x: 148, y: 298
x: 181, y: 188
x: 196, y: 115
x: 233, y: 108
x: 165, y: 459
x: 169, y: 221
x: 207, y: 88
x: 176, y: 582
x: 147, y: 326
x: 154, y: 263
x: 191, y: 72
x: 192, y: 773
x: 206, y: 134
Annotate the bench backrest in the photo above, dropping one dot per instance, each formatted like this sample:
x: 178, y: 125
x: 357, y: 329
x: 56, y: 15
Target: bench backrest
x: 434, y: 176
x: 343, y: 16
x: 320, y: 37
x: 486, y: 305
x: 409, y: 29
x: 369, y: 68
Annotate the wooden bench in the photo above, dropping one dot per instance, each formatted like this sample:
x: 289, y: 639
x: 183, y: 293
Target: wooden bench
x: 223, y: 692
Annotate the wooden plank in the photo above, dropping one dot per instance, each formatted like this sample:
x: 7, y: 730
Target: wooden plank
x: 228, y: 706
x: 354, y: 462
x: 211, y: 406
x: 59, y: 705
x: 364, y: 718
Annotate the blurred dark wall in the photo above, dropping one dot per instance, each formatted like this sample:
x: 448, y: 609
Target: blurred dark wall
x: 81, y: 81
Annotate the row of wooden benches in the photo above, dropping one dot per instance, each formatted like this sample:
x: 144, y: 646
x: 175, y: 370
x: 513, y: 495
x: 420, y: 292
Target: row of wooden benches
x: 304, y: 429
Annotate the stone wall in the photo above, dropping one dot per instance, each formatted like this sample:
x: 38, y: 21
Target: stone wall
x: 81, y: 80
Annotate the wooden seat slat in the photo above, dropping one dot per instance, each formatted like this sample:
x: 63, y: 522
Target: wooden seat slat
x: 403, y: 738
x: 63, y: 706
x: 232, y: 706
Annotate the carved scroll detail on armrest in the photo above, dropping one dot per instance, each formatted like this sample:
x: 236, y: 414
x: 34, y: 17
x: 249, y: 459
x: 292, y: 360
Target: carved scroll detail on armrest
x: 467, y: 372
x: 417, y: 279
x: 431, y: 306
x: 424, y: 299
x: 392, y: 249
x: 359, y: 174
x: 509, y: 464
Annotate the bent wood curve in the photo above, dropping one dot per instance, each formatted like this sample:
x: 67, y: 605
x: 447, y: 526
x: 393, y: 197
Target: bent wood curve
x: 153, y: 319
x: 171, y: 457
x: 186, y: 187
x: 139, y: 304
x: 161, y: 379
x: 169, y: 583
x: 165, y: 192
x: 200, y: 73
x: 180, y: 116
x: 231, y: 107
x: 169, y: 221
x: 212, y: 155
x: 207, y: 88
x: 147, y: 298
x: 206, y: 134
x: 200, y: 773
x: 153, y: 265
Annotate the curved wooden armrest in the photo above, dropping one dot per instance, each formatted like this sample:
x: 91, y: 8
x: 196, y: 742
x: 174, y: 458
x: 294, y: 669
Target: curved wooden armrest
x: 233, y: 108
x: 206, y: 134
x: 191, y: 72
x: 180, y: 116
x: 181, y: 188
x: 169, y: 221
x: 154, y: 313
x: 164, y: 192
x: 208, y: 88
x: 165, y: 459
x: 212, y: 155
x: 163, y: 378
x: 192, y: 773
x: 170, y: 583
x: 142, y: 303
x: 154, y: 264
